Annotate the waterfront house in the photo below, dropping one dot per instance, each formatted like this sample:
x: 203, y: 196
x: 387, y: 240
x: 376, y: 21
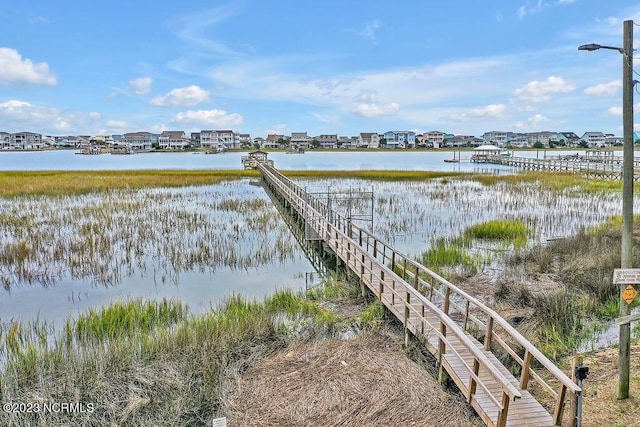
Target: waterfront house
x: 400, y: 139
x: 517, y: 140
x: 369, y: 140
x: 26, y: 141
x: 245, y: 140
x: 138, y: 141
x: 173, y: 140
x: 541, y: 138
x: 570, y: 139
x: 219, y: 139
x: 272, y: 141
x: 495, y: 137
x: 5, y: 140
x: 195, y: 139
x: 594, y: 139
x: 433, y: 139
x: 299, y: 140
x: 327, y: 141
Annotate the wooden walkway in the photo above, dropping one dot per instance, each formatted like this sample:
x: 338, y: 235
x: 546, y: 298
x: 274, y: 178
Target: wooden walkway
x: 468, y: 339
x: 607, y: 168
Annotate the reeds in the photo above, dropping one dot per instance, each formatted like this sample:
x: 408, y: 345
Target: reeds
x: 151, y: 363
x: 108, y: 237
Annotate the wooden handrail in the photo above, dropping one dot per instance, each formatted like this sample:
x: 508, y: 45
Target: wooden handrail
x: 477, y: 353
x: 497, y: 319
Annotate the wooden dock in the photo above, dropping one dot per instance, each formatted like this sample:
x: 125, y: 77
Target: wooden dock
x: 468, y: 339
x: 607, y: 168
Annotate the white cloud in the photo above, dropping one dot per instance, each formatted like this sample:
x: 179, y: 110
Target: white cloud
x: 95, y: 115
x: 182, y: 97
x: 206, y: 118
x: 604, y: 89
x: 533, y: 123
x: 369, y: 30
x: 15, y: 69
x: 494, y: 111
x: 119, y: 125
x: 376, y: 110
x: 24, y: 115
x: 536, y: 91
x: 141, y: 85
x: 615, y: 111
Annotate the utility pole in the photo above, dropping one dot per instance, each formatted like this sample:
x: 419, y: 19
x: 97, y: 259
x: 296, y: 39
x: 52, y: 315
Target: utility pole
x: 627, y: 204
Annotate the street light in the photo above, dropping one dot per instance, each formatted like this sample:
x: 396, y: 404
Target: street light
x: 627, y: 194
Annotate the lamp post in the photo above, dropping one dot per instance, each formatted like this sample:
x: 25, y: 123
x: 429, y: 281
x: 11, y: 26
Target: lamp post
x: 627, y: 194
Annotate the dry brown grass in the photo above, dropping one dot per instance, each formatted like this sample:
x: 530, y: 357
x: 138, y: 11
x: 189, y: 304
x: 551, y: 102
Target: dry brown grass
x: 368, y: 381
x: 600, y: 405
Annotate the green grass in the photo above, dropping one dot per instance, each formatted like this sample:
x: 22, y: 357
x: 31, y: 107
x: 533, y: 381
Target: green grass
x: 507, y: 230
x: 179, y: 367
x: 68, y: 183
x: 374, y: 175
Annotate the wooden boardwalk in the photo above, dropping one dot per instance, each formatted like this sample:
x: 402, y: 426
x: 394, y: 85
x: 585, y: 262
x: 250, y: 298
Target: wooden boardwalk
x: 606, y: 168
x: 467, y: 338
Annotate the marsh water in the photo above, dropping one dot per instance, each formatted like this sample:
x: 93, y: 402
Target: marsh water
x: 63, y: 255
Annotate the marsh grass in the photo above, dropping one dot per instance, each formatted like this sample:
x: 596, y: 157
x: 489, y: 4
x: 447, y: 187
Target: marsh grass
x: 510, y: 231
x: 151, y: 363
x: 583, y: 264
x: 68, y: 183
x: 108, y: 237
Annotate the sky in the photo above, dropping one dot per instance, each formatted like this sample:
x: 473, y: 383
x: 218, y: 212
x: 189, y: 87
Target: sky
x: 323, y: 67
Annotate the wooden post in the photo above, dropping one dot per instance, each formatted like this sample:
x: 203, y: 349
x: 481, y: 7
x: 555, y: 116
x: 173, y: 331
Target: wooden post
x: 407, y: 314
x: 442, y: 373
x: 557, y: 413
x: 447, y: 295
x: 502, y: 414
x: 526, y: 367
x: 488, y: 335
x: 575, y: 361
x: 472, y: 386
x: 466, y: 316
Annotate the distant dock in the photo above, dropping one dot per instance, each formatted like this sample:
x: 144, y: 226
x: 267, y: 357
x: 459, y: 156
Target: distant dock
x: 600, y: 163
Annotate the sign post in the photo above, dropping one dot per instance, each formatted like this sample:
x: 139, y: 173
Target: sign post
x: 628, y: 277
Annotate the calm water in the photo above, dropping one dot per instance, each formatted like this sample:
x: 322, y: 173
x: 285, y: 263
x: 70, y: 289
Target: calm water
x: 410, y: 216
x: 322, y: 160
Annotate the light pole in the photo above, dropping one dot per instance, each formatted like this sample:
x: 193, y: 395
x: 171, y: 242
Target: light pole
x: 627, y: 194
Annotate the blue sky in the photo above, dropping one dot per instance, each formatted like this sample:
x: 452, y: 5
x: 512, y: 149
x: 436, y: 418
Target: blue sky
x: 325, y: 67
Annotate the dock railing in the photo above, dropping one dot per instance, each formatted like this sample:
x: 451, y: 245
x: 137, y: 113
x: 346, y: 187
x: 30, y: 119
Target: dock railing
x: 404, y: 300
x: 411, y: 283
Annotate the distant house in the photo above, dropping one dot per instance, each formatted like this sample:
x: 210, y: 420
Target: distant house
x: 495, y: 137
x: 400, y: 139
x: 327, y: 141
x: 195, y: 139
x: 517, y: 140
x: 544, y: 138
x: 270, y: 142
x: 457, y: 141
x: 5, y: 140
x: 173, y: 140
x: 26, y: 141
x: 245, y: 140
x: 570, y: 139
x: 369, y: 140
x: 433, y: 139
x: 612, y: 140
x: 219, y: 139
x: 138, y: 141
x: 594, y: 139
x: 299, y: 140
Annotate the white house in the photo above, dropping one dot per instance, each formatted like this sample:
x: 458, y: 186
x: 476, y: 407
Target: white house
x: 173, y: 140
